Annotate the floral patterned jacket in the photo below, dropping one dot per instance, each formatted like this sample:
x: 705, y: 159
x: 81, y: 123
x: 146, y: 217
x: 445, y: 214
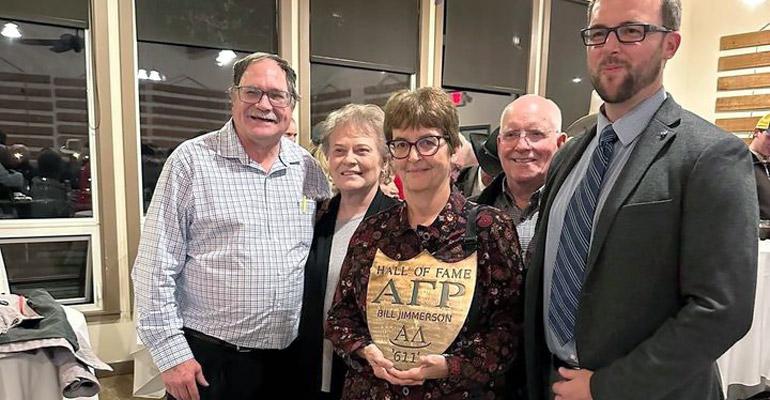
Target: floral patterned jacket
x: 488, y: 342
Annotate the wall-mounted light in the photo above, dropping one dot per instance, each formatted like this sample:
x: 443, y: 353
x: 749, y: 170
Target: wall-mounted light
x: 225, y: 57
x: 577, y: 79
x: 11, y: 31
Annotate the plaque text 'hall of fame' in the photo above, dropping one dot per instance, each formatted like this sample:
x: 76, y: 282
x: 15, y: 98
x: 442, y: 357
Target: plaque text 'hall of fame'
x: 417, y: 307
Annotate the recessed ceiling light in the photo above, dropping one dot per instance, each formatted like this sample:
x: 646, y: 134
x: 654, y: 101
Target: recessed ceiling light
x: 11, y: 31
x: 225, y: 57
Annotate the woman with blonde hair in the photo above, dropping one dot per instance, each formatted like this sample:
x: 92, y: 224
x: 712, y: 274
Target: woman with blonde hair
x: 353, y: 144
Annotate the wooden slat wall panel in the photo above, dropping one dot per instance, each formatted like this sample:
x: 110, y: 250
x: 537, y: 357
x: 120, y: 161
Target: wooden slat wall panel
x: 25, y: 117
x: 205, y: 104
x: 80, y: 130
x: 181, y: 112
x: 42, y: 111
x: 756, y: 81
x: 32, y: 142
x: 173, y: 133
x: 69, y: 82
x: 738, y: 124
x: 182, y: 123
x: 743, y: 103
x: 21, y: 130
x: 24, y: 91
x: 71, y: 93
x: 743, y: 40
x: 72, y: 104
x: 19, y: 77
x: 26, y: 105
x: 71, y: 117
x: 162, y: 87
x: 170, y: 114
x: 751, y: 60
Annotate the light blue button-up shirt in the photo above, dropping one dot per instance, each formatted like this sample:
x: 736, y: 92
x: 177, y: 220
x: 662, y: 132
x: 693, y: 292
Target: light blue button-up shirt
x: 628, y: 128
x: 224, y: 246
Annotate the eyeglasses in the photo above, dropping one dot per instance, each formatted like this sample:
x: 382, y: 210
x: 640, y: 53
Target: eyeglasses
x: 252, y: 95
x: 630, y: 33
x: 514, y: 136
x: 426, y: 146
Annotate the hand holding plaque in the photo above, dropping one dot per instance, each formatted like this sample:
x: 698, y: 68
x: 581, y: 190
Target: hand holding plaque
x: 417, y: 307
x: 432, y: 366
x: 383, y: 368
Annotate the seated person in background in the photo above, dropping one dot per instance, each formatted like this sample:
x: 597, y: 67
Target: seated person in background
x: 354, y: 144
x: 19, y: 160
x: 51, y: 196
x: 10, y: 180
x: 760, y: 154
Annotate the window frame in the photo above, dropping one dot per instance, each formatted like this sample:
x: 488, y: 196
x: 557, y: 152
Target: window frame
x: 75, y: 226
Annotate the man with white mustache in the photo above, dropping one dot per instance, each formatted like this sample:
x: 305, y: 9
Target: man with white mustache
x: 530, y: 134
x: 220, y: 267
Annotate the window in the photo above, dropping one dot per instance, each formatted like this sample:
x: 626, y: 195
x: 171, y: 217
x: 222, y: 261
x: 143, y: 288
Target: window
x: 567, y: 80
x: 487, y: 45
x: 185, y: 68
x: 182, y: 94
x: 335, y: 86
x: 344, y: 68
x: 480, y: 109
x: 45, y: 119
x: 390, y: 29
x: 60, y: 265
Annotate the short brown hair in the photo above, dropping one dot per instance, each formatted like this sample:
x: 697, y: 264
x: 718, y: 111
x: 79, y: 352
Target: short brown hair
x: 423, y: 108
x: 239, y: 68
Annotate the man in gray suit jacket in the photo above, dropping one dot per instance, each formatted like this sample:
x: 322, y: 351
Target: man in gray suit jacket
x: 645, y: 256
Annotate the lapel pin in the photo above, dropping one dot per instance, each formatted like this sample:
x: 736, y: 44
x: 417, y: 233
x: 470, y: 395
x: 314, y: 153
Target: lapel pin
x: 662, y: 135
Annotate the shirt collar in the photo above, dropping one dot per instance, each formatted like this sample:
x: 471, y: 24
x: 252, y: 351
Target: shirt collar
x: 632, y: 124
x: 534, y: 200
x: 230, y: 147
x: 449, y: 214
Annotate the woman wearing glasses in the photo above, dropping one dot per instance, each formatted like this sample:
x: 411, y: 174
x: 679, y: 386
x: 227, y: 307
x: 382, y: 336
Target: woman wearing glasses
x: 422, y: 128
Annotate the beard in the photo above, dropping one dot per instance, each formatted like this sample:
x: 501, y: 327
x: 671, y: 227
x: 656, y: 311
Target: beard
x: 632, y: 83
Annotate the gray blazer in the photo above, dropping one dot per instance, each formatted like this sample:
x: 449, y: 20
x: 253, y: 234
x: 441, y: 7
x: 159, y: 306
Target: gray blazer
x: 671, y: 273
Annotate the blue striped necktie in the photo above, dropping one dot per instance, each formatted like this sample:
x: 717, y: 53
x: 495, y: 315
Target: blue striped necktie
x: 569, y: 267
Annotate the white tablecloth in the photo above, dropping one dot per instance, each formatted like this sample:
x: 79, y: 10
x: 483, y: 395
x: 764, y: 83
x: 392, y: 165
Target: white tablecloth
x: 745, y: 367
x: 36, y: 369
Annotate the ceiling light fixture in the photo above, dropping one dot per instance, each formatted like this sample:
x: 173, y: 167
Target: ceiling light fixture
x: 11, y: 31
x: 225, y: 57
x: 577, y: 79
x: 156, y: 76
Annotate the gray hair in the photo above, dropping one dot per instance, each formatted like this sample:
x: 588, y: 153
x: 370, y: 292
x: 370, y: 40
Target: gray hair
x: 368, y: 118
x: 291, y: 77
x: 671, y: 13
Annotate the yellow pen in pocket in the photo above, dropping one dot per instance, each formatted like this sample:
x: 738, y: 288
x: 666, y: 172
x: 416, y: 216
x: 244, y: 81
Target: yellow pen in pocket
x: 303, y: 205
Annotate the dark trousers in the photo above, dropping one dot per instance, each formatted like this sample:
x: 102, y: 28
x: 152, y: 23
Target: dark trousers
x: 234, y: 374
